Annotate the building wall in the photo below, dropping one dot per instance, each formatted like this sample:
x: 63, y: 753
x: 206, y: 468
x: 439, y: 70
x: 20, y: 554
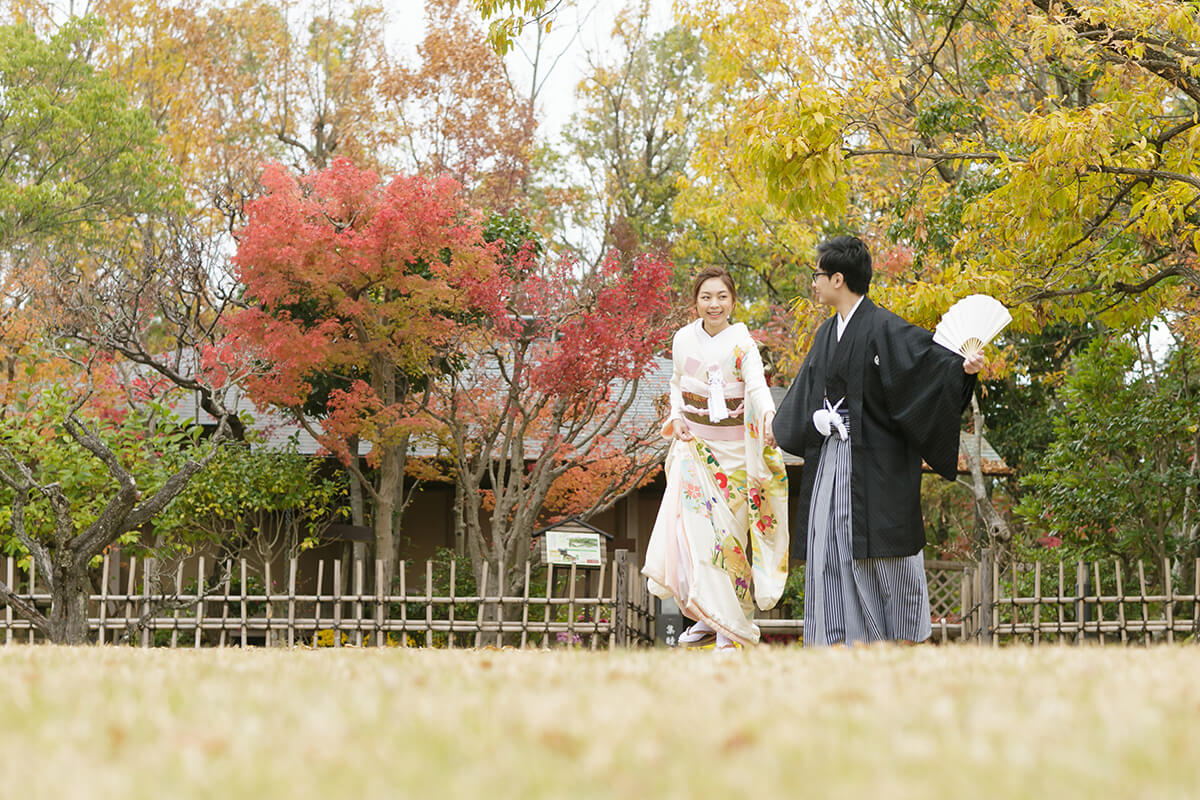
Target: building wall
x: 429, y: 521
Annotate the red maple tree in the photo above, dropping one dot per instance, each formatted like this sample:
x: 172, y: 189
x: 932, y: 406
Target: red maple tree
x: 359, y: 292
x: 546, y: 406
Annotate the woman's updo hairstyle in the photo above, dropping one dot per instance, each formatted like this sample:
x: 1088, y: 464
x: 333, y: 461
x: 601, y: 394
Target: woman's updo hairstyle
x: 712, y: 272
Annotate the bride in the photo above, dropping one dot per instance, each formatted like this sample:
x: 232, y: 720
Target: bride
x: 720, y: 543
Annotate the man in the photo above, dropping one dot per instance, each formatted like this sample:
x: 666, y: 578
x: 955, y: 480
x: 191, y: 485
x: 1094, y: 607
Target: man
x: 874, y: 396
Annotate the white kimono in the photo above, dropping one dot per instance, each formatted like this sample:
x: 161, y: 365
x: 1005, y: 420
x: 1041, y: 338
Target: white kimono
x: 726, y: 497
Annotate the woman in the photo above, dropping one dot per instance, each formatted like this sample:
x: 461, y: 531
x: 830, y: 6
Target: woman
x: 726, y: 497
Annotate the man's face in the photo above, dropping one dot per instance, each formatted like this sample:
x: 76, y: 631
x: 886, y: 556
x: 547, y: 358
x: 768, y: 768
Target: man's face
x: 825, y: 286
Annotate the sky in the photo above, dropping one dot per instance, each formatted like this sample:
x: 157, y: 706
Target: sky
x: 583, y: 27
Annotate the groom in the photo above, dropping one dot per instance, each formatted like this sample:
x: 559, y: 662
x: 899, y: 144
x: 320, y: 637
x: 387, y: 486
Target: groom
x: 874, y: 396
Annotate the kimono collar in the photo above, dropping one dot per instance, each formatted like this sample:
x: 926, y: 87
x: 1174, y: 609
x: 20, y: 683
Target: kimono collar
x: 846, y: 355
x: 842, y: 323
x: 704, y: 335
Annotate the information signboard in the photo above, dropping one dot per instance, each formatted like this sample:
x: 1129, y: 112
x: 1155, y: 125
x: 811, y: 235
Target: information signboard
x: 584, y: 549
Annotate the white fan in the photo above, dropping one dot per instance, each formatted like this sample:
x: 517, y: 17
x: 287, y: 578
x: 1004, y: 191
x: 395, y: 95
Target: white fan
x: 971, y: 323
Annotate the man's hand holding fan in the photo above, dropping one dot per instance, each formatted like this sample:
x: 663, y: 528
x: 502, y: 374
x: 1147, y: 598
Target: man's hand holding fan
x: 968, y: 326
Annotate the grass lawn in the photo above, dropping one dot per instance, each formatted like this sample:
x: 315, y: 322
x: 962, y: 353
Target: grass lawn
x: 950, y: 722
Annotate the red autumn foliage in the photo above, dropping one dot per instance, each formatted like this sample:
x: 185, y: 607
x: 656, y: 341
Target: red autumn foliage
x: 348, y: 275
x: 545, y: 411
x: 360, y: 293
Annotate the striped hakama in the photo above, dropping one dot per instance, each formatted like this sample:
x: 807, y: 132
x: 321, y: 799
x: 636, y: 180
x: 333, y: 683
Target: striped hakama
x: 855, y: 600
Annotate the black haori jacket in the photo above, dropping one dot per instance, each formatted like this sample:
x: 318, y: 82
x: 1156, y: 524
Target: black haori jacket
x: 905, y: 396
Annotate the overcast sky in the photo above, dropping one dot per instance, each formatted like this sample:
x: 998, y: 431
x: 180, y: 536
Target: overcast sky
x: 583, y: 27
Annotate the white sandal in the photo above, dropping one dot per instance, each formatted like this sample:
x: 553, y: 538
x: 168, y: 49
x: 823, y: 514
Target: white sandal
x: 693, y: 637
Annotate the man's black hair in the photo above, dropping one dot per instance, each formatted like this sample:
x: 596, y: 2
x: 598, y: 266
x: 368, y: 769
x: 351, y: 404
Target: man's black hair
x: 849, y: 256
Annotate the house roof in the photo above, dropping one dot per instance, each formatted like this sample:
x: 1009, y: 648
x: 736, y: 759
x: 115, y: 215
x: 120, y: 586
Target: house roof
x: 572, y: 525
x: 275, y: 427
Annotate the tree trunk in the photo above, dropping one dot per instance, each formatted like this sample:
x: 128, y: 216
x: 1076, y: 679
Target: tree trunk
x: 357, y: 516
x: 69, y: 594
x: 996, y: 527
x: 385, y: 512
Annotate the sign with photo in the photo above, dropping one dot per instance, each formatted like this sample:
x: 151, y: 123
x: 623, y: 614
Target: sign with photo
x: 584, y: 549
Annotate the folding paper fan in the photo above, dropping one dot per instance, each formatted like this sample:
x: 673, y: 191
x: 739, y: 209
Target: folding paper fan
x: 971, y: 323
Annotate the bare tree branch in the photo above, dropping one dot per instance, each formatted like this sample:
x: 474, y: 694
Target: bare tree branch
x: 25, y: 608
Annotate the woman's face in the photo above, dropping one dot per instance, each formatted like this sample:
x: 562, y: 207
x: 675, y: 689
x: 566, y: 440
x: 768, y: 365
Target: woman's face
x: 714, y: 303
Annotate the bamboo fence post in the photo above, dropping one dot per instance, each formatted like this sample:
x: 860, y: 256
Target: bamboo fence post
x: 1099, y: 605
x: 337, y: 602
x: 596, y: 607
x: 104, y: 567
x: 1013, y: 608
x: 525, y: 609
x: 546, y: 608
x: 621, y: 617
x: 1080, y: 605
x: 225, y: 604
x: 199, y: 599
x: 380, y: 633
x: 242, y: 605
x: 967, y: 602
x: 1121, y: 603
x: 8, y: 612
x: 612, y: 626
x: 358, y: 606
x: 317, y: 607
x: 270, y: 593
x: 403, y: 603
x: 1062, y: 601
x: 292, y: 602
x: 976, y: 594
x: 1169, y: 607
x: 987, y: 596
x: 501, y: 584
x: 429, y: 604
x: 1195, y: 603
x: 479, y: 611
x: 146, y: 606
x: 453, y: 577
x: 571, y: 582
x: 33, y: 593
x: 1037, y: 602
x: 995, y: 613
x: 1145, y: 610
x: 129, y: 587
x: 178, y: 599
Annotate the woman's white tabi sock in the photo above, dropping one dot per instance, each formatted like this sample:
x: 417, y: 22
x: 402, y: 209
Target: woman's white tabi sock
x: 695, y: 633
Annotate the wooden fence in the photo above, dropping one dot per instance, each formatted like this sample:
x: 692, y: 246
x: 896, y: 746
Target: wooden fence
x: 988, y: 602
x: 992, y: 602
x: 948, y: 584
x: 1082, y: 602
x: 605, y: 607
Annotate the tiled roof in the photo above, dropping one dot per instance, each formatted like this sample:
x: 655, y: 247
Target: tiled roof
x: 275, y: 427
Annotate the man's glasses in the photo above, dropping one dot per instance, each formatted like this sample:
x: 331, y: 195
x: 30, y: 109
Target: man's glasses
x: 818, y: 273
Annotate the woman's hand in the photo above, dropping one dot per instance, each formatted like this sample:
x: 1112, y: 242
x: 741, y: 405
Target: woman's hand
x: 680, y: 431
x: 768, y: 433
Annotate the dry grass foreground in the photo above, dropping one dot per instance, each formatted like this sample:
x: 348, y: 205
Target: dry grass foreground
x: 952, y: 722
